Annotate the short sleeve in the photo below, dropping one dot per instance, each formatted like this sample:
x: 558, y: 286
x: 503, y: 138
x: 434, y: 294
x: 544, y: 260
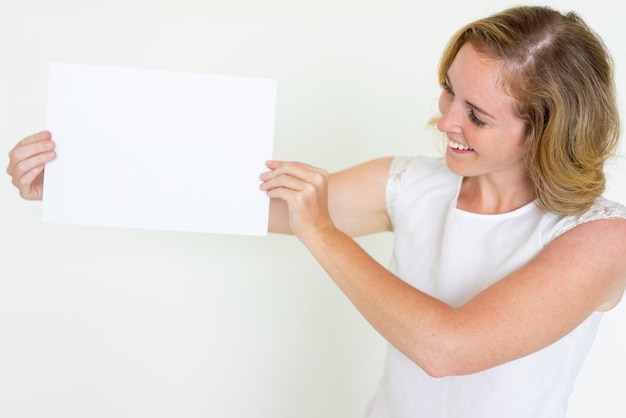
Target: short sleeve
x: 602, y: 209
x: 397, y: 173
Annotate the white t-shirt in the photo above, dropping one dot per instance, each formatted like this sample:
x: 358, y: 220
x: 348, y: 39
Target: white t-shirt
x: 452, y: 255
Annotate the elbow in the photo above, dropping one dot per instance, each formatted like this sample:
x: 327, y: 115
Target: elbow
x: 440, y: 369
x: 447, y: 346
x: 437, y: 366
x: 447, y: 359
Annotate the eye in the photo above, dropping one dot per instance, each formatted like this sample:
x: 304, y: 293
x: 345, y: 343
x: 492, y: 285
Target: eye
x: 475, y: 120
x: 470, y: 111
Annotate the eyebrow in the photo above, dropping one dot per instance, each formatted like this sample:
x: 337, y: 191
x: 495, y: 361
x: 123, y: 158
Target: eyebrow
x: 470, y: 104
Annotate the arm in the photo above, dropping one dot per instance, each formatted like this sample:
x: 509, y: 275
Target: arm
x: 356, y: 199
x: 509, y: 317
x: 27, y: 161
x: 504, y: 322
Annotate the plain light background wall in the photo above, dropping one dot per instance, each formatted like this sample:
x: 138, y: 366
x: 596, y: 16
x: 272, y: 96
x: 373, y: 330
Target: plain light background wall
x: 98, y: 322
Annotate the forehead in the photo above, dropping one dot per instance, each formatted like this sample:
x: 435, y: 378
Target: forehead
x: 469, y: 63
x: 478, y: 79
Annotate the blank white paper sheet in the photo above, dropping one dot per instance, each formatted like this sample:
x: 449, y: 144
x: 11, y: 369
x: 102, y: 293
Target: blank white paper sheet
x: 158, y: 150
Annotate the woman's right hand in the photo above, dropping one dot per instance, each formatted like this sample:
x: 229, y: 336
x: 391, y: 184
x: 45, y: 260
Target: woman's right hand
x: 27, y: 161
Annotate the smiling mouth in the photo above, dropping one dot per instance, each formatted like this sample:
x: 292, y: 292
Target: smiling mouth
x: 460, y: 147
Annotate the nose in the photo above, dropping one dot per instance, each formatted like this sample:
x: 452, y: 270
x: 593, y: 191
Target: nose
x: 449, y: 120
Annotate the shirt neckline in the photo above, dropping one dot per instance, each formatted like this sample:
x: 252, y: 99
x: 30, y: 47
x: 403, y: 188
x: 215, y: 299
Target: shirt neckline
x: 532, y: 205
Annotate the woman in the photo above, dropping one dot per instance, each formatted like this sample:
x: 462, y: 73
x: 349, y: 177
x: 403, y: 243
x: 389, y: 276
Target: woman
x: 505, y: 254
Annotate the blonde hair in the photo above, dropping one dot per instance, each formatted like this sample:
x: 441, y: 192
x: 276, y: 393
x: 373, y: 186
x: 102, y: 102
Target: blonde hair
x: 561, y: 74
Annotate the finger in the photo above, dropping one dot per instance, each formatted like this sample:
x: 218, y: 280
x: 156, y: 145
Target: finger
x: 284, y: 193
x: 289, y: 165
x: 301, y: 171
x: 17, y: 168
x: 24, y: 183
x: 294, y: 177
x: 296, y: 192
x: 30, y: 155
x: 284, y: 181
x: 39, y: 136
x: 308, y: 208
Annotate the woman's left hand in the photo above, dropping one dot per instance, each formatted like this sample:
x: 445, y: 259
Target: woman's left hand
x: 305, y: 190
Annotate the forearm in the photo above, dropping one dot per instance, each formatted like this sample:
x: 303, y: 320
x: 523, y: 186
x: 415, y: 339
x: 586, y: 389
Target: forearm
x: 415, y: 323
x: 423, y: 328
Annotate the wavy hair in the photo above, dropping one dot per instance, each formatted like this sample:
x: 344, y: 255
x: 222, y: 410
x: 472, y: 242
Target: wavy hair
x: 561, y: 75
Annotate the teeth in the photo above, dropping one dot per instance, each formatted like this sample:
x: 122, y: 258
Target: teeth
x: 458, y: 146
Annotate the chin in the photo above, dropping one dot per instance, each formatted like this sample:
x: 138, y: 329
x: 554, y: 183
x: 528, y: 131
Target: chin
x: 458, y: 164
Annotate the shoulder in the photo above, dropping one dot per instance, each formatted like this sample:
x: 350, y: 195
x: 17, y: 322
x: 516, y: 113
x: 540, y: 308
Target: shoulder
x: 414, y: 169
x: 602, y: 209
x: 594, y: 244
x: 402, y: 165
x: 414, y: 177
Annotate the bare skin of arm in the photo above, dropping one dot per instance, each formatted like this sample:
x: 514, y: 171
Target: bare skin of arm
x: 325, y: 210
x: 504, y: 322
x: 364, y: 183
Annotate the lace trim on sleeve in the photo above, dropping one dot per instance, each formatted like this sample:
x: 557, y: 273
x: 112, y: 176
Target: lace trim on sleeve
x: 602, y: 209
x: 399, y: 166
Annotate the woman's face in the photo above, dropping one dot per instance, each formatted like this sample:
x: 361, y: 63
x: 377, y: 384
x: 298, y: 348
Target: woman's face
x: 484, y: 135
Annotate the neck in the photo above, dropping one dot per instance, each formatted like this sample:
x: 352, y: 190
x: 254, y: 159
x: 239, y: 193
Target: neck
x: 483, y: 195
